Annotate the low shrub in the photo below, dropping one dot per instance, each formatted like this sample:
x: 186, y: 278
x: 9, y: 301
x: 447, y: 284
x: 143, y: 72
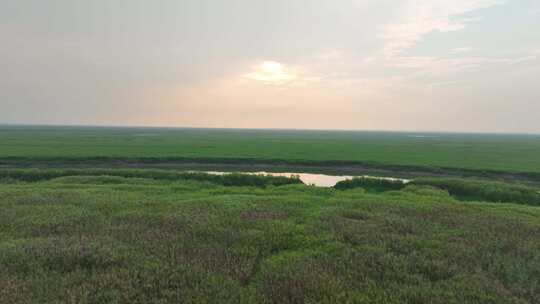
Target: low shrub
x: 370, y: 184
x: 466, y: 189
x: 233, y: 179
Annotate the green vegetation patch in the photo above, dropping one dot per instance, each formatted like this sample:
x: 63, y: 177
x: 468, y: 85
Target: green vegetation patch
x: 112, y: 239
x: 401, y: 151
x: 490, y: 191
x: 461, y: 189
x: 233, y: 179
x: 371, y: 184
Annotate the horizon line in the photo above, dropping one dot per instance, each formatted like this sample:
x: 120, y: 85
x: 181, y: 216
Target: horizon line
x: 49, y: 125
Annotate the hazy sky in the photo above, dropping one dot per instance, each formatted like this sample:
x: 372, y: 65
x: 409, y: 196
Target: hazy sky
x: 452, y: 65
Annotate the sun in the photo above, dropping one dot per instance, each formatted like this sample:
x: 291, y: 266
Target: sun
x: 272, y: 67
x: 272, y: 72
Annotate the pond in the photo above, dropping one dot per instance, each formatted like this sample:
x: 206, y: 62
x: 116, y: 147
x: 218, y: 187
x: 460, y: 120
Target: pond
x: 319, y: 180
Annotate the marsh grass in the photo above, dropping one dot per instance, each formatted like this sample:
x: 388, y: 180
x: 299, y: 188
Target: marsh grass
x: 490, y: 191
x: 118, y: 239
x: 370, y: 184
x: 461, y: 189
x: 110, y: 176
x: 464, y: 154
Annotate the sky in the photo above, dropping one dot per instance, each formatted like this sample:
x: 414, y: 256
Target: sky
x: 431, y: 65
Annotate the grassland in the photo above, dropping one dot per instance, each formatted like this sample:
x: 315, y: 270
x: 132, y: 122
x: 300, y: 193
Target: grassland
x: 78, y: 234
x: 123, y: 236
x: 509, y: 153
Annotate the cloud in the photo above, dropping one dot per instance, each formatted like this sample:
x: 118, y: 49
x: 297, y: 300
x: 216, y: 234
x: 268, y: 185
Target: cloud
x: 416, y: 19
x: 434, y: 67
x: 461, y: 50
x: 329, y: 55
x: 419, y: 18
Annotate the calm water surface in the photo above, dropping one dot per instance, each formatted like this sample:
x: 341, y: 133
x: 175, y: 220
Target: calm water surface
x: 319, y: 180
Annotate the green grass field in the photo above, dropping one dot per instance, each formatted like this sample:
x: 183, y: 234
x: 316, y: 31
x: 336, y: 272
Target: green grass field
x: 79, y: 234
x: 161, y: 237
x: 486, y: 152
